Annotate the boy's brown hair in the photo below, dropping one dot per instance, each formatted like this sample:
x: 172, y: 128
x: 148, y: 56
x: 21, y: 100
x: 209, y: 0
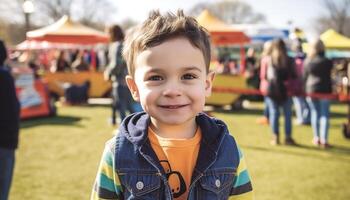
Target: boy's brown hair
x: 160, y: 28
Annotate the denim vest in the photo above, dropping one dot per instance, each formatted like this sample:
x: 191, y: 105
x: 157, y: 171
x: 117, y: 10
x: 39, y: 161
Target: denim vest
x: 142, y: 176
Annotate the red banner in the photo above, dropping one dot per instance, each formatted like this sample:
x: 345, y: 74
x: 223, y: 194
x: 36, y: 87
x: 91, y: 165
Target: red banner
x: 340, y: 97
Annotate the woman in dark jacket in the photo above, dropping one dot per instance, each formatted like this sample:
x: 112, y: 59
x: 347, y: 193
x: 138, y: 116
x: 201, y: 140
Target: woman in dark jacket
x: 317, y: 79
x: 279, y: 70
x: 9, y: 125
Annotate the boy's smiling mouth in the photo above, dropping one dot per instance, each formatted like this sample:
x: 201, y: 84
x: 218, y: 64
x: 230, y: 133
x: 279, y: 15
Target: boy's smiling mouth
x: 173, y: 106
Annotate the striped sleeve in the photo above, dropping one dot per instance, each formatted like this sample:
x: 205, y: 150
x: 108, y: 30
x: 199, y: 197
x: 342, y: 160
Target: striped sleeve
x: 107, y: 184
x: 242, y: 187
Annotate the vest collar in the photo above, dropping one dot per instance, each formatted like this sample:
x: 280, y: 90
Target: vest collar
x: 135, y: 129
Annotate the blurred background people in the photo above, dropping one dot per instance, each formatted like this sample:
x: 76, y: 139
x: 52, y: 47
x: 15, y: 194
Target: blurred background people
x: 80, y: 63
x: 116, y: 72
x: 264, y: 62
x: 9, y: 125
x: 252, y: 73
x: 302, y: 110
x: 227, y: 66
x: 34, y: 64
x: 317, y: 79
x: 278, y: 70
x: 252, y: 69
x: 61, y: 63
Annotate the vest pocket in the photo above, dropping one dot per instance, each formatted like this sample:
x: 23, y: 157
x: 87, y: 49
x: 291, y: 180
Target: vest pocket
x: 216, y: 184
x: 141, y: 184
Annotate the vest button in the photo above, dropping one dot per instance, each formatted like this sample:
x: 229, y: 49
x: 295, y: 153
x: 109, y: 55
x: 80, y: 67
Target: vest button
x: 139, y: 185
x: 217, y: 183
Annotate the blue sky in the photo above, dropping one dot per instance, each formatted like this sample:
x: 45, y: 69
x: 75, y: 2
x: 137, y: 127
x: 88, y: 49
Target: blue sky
x: 278, y: 12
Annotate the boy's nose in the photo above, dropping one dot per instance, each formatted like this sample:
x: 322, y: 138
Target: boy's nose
x: 172, y: 91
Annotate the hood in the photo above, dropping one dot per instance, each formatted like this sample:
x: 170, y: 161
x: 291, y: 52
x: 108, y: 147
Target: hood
x: 135, y: 129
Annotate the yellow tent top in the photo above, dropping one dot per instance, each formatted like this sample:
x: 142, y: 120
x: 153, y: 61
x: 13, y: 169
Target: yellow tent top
x: 334, y: 40
x: 212, y: 23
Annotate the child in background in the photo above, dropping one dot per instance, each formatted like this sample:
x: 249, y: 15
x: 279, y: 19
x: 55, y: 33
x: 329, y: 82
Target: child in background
x: 172, y: 150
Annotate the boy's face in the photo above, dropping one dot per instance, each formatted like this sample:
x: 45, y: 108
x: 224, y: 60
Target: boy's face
x: 171, y: 82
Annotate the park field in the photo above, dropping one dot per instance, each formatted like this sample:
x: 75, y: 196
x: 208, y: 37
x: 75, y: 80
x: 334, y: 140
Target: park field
x: 58, y: 157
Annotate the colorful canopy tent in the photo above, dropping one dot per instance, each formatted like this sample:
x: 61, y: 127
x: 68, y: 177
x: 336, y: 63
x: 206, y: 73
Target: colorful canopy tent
x: 260, y: 33
x: 223, y: 34
x: 33, y: 45
x: 67, y: 31
x: 220, y: 32
x: 333, y: 53
x: 337, y: 45
x: 37, y: 45
x: 334, y: 40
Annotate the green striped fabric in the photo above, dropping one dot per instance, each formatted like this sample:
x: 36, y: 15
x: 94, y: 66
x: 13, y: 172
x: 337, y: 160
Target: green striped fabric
x: 107, y: 184
x: 242, y: 187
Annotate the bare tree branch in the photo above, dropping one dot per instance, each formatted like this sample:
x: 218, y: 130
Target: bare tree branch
x: 93, y: 12
x: 338, y: 16
x: 11, y: 8
x: 54, y: 9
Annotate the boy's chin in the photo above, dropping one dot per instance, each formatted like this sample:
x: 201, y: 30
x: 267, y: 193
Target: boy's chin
x: 173, y: 121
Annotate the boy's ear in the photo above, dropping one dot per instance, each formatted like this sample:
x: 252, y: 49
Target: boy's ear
x: 209, y: 83
x: 132, y: 87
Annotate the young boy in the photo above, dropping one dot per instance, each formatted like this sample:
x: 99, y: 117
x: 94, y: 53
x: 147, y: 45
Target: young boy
x: 172, y: 150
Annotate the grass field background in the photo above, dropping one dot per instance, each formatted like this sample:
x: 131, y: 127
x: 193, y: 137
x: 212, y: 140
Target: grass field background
x: 58, y: 157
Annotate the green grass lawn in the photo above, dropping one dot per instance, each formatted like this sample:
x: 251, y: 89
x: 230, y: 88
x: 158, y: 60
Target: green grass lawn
x: 58, y: 157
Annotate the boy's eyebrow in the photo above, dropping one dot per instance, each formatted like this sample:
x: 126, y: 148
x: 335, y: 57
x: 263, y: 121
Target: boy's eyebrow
x: 193, y: 68
x: 158, y: 70
x: 154, y: 70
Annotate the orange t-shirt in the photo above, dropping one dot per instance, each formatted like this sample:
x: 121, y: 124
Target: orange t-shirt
x: 178, y: 158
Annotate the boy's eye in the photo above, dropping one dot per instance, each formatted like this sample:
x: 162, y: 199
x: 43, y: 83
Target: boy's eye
x: 189, y: 76
x: 155, y: 78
